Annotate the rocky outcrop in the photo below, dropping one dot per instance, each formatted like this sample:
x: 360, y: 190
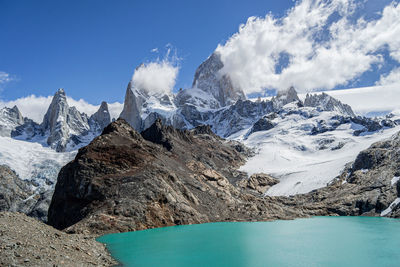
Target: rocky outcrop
x: 142, y: 108
x: 284, y: 97
x: 10, y: 118
x: 327, y: 103
x: 237, y: 117
x: 25, y: 241
x: 263, y: 124
x: 101, y: 118
x: 61, y: 121
x: 65, y: 127
x: 17, y: 195
x: 258, y: 183
x: 13, y: 191
x: 132, y: 107
x: 124, y: 181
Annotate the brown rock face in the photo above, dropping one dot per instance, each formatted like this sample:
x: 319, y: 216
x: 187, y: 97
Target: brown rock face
x: 258, y: 183
x: 123, y: 182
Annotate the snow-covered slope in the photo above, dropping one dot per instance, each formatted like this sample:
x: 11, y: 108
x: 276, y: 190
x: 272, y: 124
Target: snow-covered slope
x: 32, y: 161
x: 308, y: 148
x: 36, y: 151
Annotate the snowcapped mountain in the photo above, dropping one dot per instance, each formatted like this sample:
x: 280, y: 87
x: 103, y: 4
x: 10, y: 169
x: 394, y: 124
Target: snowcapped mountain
x: 306, y: 147
x: 27, y: 146
x: 36, y: 152
x: 303, y: 141
x: 142, y: 108
x: 10, y: 118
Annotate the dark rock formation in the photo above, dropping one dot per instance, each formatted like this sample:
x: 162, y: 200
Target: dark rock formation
x: 123, y: 182
x: 16, y: 195
x: 263, y: 124
x: 13, y: 191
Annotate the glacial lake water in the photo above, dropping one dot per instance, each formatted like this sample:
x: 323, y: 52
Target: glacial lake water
x: 318, y: 241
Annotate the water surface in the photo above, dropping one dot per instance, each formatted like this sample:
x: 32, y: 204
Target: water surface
x: 319, y: 241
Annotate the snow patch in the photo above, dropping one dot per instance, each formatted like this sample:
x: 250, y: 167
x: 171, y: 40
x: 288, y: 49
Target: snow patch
x: 391, y: 207
x: 394, y: 180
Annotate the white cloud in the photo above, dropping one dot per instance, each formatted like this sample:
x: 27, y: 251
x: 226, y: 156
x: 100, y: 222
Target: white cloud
x: 156, y: 77
x: 322, y: 54
x: 392, y: 78
x: 34, y: 107
x: 5, y: 78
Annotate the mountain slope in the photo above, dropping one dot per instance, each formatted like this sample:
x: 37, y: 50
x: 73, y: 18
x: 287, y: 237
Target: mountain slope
x: 124, y: 181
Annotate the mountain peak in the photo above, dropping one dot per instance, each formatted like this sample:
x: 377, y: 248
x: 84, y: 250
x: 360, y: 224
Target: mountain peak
x: 102, y: 116
x: 208, y: 78
x: 328, y: 103
x: 62, y: 121
x: 287, y: 96
x: 60, y: 91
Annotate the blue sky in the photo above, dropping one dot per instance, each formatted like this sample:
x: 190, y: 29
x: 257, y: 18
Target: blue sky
x: 91, y: 48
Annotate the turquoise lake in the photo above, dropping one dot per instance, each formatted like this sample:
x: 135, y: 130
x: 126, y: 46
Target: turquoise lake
x: 318, y: 241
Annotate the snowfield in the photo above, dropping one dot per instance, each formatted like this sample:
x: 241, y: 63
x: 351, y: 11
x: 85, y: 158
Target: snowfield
x: 33, y: 161
x: 302, y: 161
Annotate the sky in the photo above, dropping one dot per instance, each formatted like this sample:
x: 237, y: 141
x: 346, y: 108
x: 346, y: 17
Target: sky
x: 92, y: 48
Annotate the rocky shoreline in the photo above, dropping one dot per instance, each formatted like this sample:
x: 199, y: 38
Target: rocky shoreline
x: 25, y: 241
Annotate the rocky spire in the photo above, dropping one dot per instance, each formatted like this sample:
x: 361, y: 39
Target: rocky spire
x: 10, y: 118
x: 62, y: 121
x: 209, y: 79
x: 132, y: 108
x: 102, y: 117
x: 287, y: 96
x: 327, y: 103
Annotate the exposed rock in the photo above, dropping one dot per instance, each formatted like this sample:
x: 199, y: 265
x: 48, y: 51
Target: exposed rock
x: 28, y: 130
x: 142, y: 108
x: 13, y: 191
x: 25, y: 241
x: 10, y: 118
x: 263, y: 124
x: 259, y: 183
x: 241, y: 115
x: 327, y: 103
x: 61, y: 121
x: 122, y: 182
x: 101, y: 118
x: 132, y: 107
x: 287, y: 96
x: 209, y: 79
x: 165, y: 135
x: 17, y: 195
